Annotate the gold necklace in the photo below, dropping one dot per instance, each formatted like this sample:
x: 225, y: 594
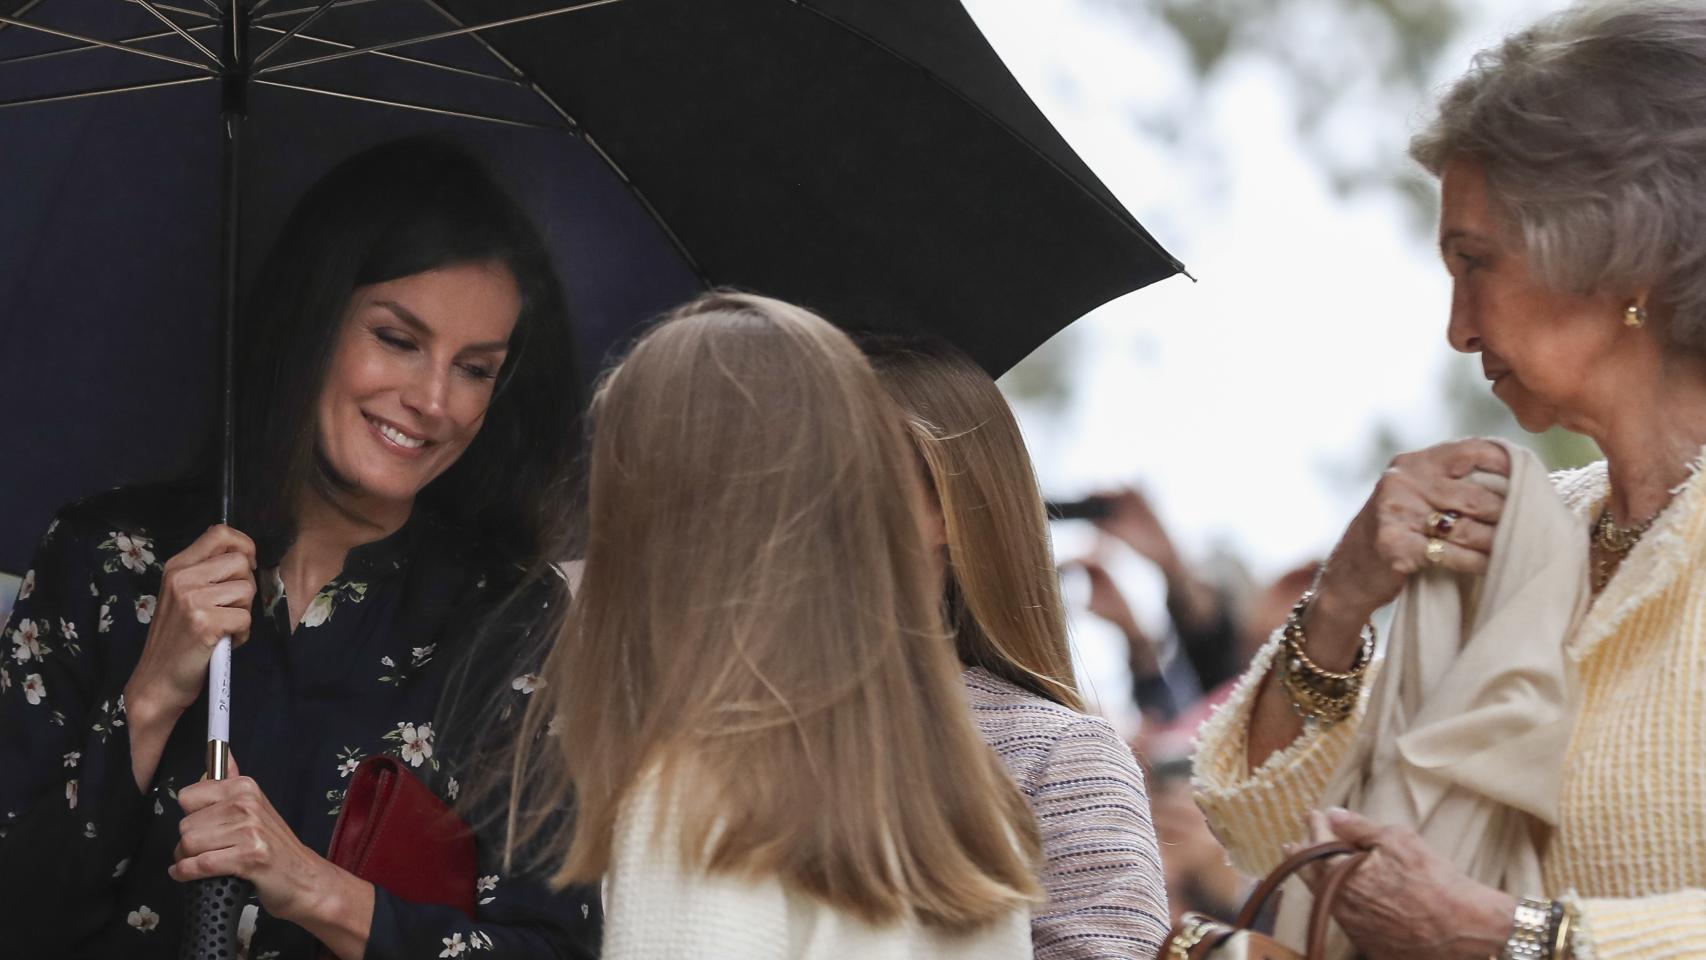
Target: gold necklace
x: 1614, y: 542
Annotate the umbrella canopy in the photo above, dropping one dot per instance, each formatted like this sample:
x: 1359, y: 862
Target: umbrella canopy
x: 872, y: 159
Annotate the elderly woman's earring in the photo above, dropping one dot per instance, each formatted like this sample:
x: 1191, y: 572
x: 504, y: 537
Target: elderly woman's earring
x: 1634, y: 315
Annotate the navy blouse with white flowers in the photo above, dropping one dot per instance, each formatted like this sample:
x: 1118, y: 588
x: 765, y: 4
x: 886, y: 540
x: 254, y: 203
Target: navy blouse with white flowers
x: 83, y: 852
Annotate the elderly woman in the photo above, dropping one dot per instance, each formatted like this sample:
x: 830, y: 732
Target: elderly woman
x: 1572, y: 162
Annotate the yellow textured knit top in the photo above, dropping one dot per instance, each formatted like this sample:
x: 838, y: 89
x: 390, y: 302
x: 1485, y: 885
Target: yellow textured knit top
x: 1630, y: 848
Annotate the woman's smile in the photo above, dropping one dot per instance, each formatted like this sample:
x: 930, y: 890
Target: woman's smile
x: 395, y: 439
x: 413, y: 376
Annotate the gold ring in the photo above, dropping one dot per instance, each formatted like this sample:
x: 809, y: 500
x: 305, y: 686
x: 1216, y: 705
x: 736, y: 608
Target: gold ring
x: 1440, y: 523
x: 1435, y: 552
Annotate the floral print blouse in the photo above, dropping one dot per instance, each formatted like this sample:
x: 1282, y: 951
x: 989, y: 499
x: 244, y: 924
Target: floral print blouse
x: 83, y: 853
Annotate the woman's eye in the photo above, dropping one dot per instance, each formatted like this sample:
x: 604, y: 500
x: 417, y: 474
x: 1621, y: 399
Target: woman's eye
x: 1470, y: 263
x: 478, y: 371
x: 394, y: 340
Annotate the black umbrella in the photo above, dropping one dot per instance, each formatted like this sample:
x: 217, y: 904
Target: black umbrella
x: 872, y: 159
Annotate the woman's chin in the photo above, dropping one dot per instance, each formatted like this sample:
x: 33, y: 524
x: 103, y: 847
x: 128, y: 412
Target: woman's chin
x: 391, y: 490
x: 378, y: 488
x: 1533, y: 420
x: 1530, y: 414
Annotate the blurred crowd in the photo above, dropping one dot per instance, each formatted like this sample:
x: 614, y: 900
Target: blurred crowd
x: 1216, y: 620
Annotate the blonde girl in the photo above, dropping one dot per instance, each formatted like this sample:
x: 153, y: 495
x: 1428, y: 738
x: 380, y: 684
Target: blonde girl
x: 755, y: 706
x: 1106, y: 895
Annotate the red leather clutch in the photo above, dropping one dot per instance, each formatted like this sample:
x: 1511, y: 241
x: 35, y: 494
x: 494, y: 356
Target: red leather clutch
x: 394, y: 832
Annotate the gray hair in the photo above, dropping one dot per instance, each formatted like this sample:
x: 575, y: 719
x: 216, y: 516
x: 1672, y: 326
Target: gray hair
x: 1591, y: 127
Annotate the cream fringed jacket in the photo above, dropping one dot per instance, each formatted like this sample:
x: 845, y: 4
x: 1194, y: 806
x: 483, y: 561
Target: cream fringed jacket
x: 1630, y: 848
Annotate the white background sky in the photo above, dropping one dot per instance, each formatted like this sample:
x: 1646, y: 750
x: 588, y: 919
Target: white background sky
x: 1245, y: 404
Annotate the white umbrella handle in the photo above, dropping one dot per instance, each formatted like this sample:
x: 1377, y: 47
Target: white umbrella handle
x: 219, y: 711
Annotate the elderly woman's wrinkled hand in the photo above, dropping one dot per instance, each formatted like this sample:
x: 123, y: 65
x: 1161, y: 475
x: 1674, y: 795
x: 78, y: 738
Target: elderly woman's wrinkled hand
x: 1406, y: 902
x: 1417, y: 496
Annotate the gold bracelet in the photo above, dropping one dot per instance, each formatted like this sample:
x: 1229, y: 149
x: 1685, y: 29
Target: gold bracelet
x: 1317, y: 693
x: 1564, y: 916
x: 1295, y: 640
x: 1313, y: 704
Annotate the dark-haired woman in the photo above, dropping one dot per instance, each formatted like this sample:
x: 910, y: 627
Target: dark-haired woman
x: 403, y: 415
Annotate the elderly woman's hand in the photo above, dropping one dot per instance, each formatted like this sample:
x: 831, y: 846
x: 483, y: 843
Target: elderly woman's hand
x: 1406, y: 902
x: 1388, y: 539
x: 231, y: 829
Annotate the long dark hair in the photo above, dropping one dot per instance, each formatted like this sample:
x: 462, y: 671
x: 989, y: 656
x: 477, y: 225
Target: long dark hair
x: 395, y: 210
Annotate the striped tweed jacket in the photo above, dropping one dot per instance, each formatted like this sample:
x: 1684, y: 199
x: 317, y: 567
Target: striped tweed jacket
x: 1102, y: 871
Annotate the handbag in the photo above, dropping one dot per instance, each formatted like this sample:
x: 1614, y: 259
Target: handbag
x: 395, y: 833
x: 1200, y: 937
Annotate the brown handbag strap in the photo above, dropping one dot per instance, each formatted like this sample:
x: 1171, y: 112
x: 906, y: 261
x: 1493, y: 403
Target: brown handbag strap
x: 1321, y: 912
x: 1290, y: 865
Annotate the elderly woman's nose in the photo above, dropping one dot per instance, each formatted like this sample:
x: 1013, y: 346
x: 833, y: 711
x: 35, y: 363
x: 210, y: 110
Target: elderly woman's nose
x: 1461, y: 331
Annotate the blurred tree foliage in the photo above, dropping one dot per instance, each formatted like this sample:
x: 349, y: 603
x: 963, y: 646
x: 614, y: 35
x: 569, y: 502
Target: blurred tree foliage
x: 1043, y: 380
x: 1340, y: 59
x: 1341, y: 62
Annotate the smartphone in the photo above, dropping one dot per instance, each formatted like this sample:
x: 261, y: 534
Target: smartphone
x: 1088, y: 508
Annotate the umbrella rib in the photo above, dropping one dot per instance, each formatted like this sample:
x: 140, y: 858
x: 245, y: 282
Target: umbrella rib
x: 301, y: 25
x: 23, y: 8
x: 281, y: 14
x: 405, y: 105
x: 580, y: 130
x: 1119, y: 214
x: 493, y: 25
x: 186, y: 11
x: 652, y: 211
x: 513, y: 81
x: 180, y: 31
x: 101, y: 91
x: 85, y: 48
x: 416, y: 61
x: 65, y: 34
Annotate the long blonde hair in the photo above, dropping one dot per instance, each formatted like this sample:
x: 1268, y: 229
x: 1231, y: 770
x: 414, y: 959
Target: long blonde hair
x: 1003, y: 595
x: 753, y: 623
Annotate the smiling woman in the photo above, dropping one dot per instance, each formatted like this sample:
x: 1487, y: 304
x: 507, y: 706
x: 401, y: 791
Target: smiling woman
x: 412, y: 376
x: 385, y: 259
x: 405, y: 336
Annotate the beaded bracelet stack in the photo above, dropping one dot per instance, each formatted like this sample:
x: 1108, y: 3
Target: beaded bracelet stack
x: 1319, y: 694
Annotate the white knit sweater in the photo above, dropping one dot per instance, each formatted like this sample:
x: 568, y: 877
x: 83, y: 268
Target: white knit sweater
x: 659, y: 908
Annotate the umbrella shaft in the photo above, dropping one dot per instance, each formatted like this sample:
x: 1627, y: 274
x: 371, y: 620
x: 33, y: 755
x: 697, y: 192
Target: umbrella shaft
x: 234, y: 106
